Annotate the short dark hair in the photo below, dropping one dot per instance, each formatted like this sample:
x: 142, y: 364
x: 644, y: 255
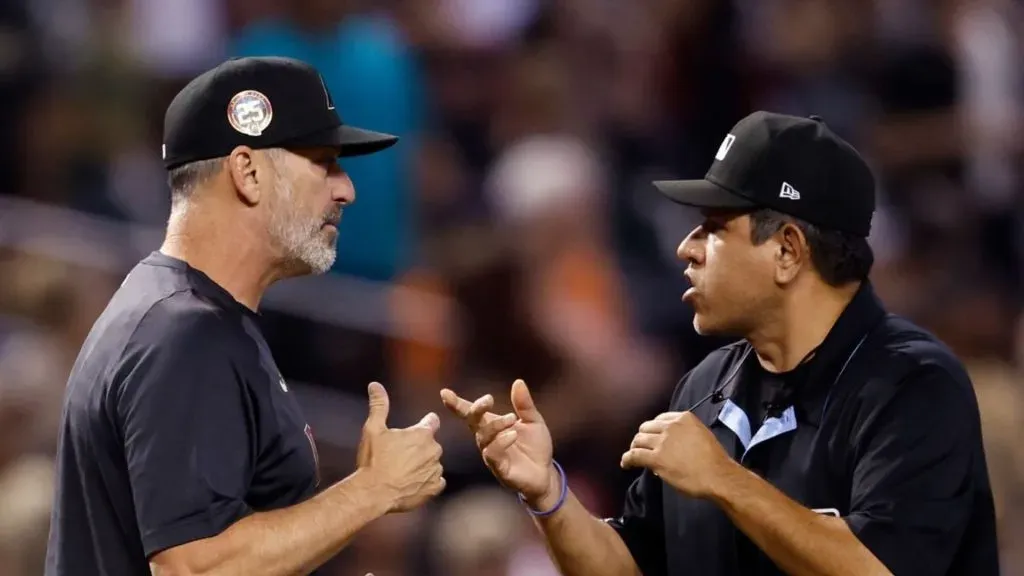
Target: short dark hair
x: 839, y: 257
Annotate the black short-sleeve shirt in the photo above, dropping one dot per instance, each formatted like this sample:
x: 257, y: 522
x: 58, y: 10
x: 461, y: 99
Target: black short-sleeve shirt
x: 176, y: 424
x: 880, y: 427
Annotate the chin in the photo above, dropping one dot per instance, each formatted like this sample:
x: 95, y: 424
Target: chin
x: 699, y: 325
x: 322, y: 266
x: 705, y: 326
x: 313, y: 261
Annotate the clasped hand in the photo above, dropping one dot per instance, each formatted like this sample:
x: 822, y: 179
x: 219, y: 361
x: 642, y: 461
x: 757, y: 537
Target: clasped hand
x: 678, y: 448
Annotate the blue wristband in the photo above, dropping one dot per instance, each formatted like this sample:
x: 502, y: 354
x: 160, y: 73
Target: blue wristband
x: 561, y: 497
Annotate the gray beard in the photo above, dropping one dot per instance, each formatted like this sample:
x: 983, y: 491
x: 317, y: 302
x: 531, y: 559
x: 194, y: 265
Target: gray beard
x: 300, y: 239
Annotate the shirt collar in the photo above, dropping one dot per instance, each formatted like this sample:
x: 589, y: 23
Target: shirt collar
x: 202, y: 283
x: 860, y: 316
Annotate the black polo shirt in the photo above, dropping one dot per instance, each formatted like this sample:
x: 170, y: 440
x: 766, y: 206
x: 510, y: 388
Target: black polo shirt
x: 176, y: 424
x: 880, y: 427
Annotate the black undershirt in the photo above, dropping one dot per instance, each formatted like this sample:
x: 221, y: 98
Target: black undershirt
x: 772, y: 392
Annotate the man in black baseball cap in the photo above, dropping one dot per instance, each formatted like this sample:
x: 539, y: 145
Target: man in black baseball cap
x: 260, y: 103
x: 795, y: 166
x: 832, y: 438
x: 182, y: 449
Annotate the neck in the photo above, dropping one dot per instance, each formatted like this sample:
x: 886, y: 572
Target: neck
x: 230, y: 255
x: 799, y: 328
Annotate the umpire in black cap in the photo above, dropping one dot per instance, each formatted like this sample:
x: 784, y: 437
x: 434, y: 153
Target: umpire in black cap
x: 833, y: 438
x: 182, y: 449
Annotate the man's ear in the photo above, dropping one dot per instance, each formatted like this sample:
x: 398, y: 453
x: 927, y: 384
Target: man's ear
x: 246, y: 174
x: 792, y: 253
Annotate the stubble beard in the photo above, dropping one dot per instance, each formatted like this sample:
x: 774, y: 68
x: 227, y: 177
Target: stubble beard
x: 302, y: 240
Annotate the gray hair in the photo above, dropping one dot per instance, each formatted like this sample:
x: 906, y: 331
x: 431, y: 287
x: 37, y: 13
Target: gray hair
x: 185, y: 179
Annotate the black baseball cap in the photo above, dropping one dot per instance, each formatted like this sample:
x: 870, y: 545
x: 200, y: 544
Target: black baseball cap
x: 794, y: 165
x: 264, y: 102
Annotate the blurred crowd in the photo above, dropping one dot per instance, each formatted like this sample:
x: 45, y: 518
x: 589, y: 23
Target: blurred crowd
x: 513, y: 233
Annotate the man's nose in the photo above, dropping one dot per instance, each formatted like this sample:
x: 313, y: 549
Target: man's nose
x: 691, y: 249
x: 343, y: 191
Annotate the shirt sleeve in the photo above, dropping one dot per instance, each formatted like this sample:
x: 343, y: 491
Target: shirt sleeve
x: 641, y: 526
x: 913, y: 482
x: 187, y: 425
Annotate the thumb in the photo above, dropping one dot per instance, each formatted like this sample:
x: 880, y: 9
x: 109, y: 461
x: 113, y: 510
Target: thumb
x: 430, y: 421
x: 523, y: 404
x: 379, y: 405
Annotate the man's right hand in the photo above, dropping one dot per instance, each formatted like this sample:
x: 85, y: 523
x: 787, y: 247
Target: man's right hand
x: 406, y: 461
x: 516, y: 447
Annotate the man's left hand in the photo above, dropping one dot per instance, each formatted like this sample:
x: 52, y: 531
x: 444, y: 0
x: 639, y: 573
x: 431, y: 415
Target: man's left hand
x: 679, y: 449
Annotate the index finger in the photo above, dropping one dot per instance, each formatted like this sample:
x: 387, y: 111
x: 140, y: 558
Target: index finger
x: 455, y: 403
x: 471, y: 412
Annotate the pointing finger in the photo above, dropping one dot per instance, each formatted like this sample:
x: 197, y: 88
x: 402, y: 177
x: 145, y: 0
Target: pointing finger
x: 471, y: 412
x: 457, y: 404
x: 478, y: 409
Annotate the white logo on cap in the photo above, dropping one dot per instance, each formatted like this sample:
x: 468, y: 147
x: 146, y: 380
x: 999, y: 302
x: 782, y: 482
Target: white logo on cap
x: 249, y: 112
x: 789, y: 192
x: 327, y: 94
x: 724, y: 148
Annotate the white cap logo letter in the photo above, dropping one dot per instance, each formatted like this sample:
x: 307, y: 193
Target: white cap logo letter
x: 724, y: 148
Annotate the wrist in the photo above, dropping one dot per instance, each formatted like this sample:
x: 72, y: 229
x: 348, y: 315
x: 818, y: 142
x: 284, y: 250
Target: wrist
x: 554, y: 495
x: 379, y: 497
x: 722, y: 487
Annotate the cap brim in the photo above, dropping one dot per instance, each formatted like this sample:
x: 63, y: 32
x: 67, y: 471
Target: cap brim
x: 349, y: 140
x: 701, y: 194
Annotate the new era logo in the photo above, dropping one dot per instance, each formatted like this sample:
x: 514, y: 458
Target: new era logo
x: 724, y: 148
x: 789, y: 192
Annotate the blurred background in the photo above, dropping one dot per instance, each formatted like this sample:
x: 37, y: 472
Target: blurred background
x: 514, y: 231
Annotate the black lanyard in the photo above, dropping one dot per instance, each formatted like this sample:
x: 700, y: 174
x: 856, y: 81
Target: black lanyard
x: 718, y: 395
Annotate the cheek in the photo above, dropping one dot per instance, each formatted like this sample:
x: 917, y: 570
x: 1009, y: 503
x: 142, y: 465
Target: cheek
x: 735, y: 273
x: 305, y: 199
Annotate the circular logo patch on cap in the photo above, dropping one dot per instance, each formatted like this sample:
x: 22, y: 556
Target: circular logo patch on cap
x: 249, y: 112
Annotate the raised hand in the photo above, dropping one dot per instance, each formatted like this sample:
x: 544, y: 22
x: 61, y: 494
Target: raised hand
x: 515, y: 446
x: 405, y: 461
